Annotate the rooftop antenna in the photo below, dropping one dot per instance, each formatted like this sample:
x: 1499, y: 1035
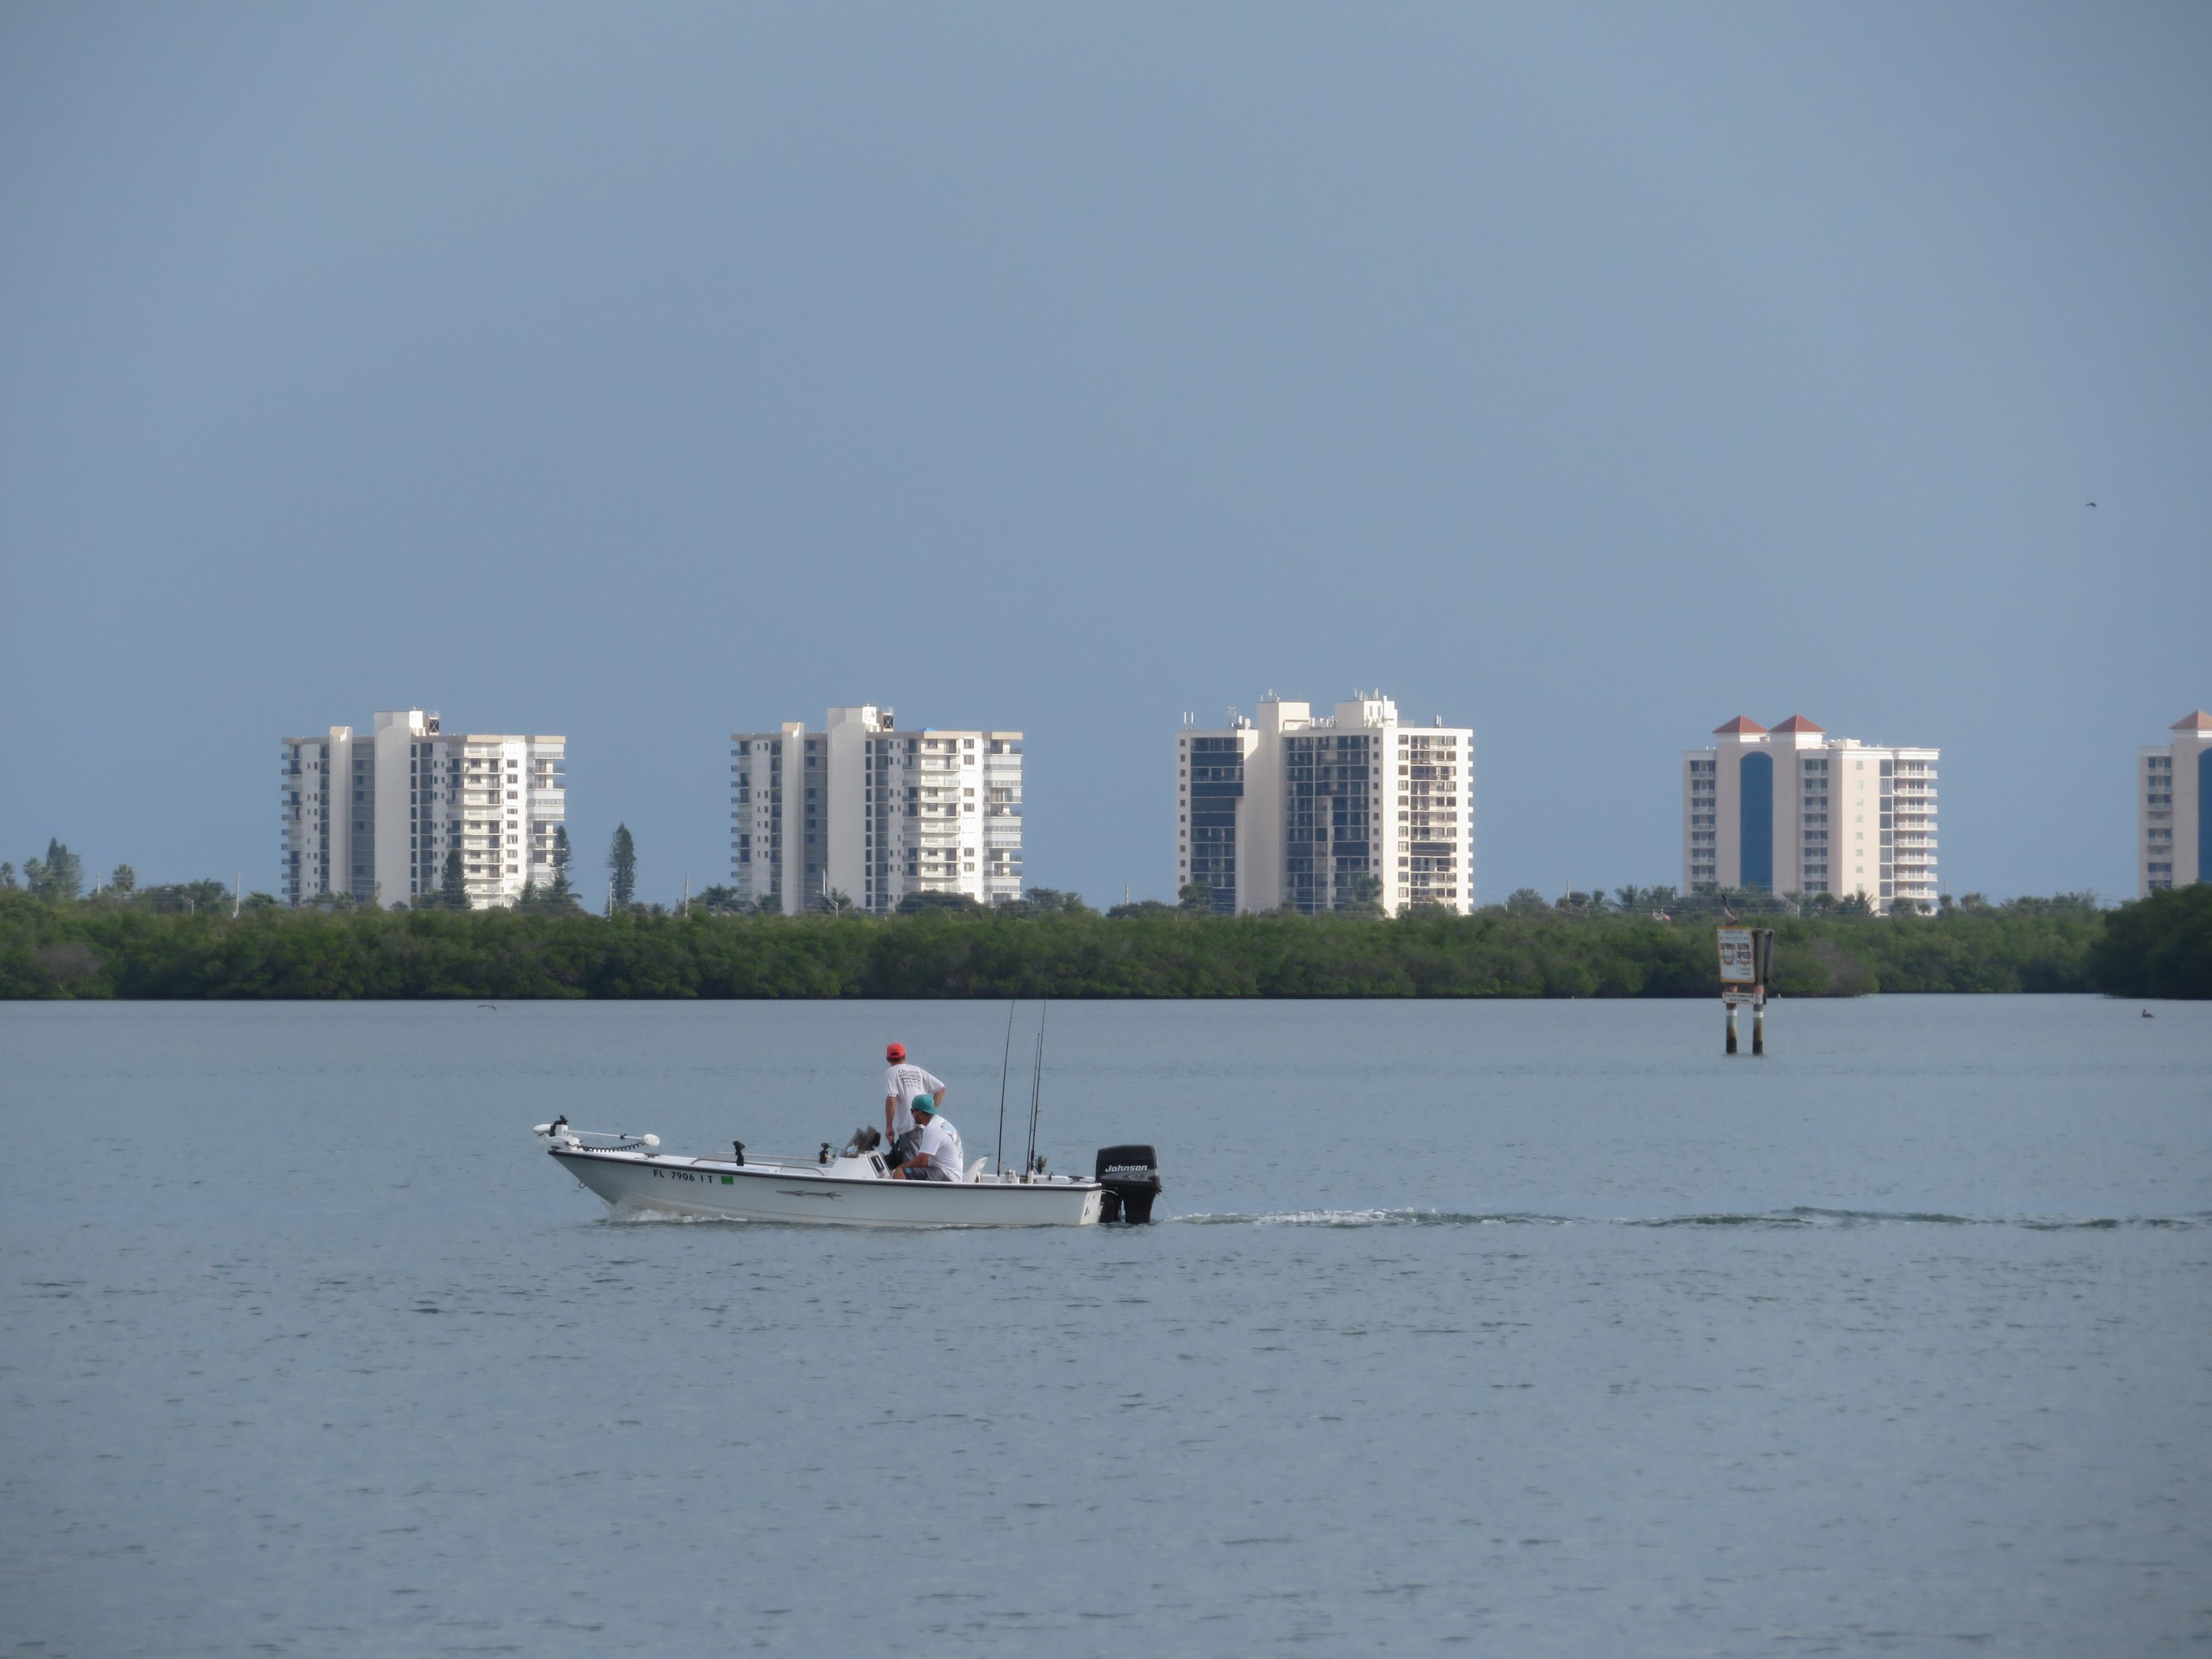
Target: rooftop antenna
x: 1006, y: 1060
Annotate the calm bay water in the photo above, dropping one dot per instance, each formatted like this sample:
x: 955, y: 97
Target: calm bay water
x: 1536, y: 1328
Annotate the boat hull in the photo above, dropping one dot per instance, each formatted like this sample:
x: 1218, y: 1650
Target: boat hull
x: 634, y: 1184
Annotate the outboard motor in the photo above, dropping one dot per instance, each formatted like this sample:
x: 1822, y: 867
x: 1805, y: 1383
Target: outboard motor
x: 1131, y: 1176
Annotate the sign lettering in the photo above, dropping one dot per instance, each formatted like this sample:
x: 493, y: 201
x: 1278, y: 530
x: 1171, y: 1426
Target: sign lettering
x: 1739, y: 966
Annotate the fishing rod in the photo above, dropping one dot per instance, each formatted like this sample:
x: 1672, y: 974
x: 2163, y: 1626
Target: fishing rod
x: 1036, y: 1093
x: 998, y: 1157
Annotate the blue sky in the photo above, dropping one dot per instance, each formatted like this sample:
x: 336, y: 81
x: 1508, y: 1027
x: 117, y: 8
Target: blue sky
x: 1586, y: 374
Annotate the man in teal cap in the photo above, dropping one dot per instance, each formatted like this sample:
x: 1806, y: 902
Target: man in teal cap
x: 939, y: 1157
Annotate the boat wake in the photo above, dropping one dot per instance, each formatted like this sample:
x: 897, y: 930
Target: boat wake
x: 1802, y: 1216
x: 628, y: 1217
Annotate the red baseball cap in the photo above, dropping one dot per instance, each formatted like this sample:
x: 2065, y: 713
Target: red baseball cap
x: 896, y: 1053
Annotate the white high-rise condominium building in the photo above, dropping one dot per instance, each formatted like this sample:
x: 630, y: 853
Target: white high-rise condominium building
x: 1795, y: 811
x: 1309, y: 812
x: 375, y: 814
x: 864, y: 809
x: 2174, y: 789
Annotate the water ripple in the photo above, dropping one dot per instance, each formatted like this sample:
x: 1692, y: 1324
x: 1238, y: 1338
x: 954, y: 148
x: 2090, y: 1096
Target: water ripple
x: 1800, y: 1216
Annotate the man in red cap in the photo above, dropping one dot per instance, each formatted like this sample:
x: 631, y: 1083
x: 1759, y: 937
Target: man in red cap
x: 901, y: 1083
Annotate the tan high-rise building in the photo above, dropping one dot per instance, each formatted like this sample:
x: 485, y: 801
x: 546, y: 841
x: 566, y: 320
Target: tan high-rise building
x: 1292, y: 809
x: 375, y: 814
x: 2173, y: 790
x: 1796, y: 811
x: 864, y: 809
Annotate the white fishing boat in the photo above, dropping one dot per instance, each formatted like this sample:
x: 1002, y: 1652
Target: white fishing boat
x: 853, y: 1187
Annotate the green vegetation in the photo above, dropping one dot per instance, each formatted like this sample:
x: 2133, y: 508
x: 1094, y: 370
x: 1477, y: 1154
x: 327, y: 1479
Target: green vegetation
x: 622, y: 865
x: 454, y: 882
x: 183, y: 942
x: 562, y: 897
x: 2160, y: 947
x: 56, y: 876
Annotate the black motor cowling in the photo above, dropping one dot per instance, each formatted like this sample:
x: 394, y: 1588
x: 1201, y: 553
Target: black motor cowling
x: 1131, y: 1176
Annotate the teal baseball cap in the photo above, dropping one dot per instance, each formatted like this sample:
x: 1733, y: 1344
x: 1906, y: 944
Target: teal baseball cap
x: 923, y: 1104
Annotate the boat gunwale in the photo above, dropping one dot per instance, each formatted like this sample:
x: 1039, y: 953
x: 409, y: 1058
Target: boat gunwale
x: 812, y: 1172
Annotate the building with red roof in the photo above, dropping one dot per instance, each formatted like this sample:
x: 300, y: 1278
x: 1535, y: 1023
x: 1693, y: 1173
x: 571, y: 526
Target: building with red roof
x: 2173, y: 788
x: 1788, y: 809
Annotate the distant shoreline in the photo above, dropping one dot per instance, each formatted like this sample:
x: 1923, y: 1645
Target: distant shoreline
x: 2161, y: 947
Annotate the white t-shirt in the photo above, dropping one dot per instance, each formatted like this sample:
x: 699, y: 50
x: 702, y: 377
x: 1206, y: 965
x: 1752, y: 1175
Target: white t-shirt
x: 901, y: 1083
x: 940, y: 1144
